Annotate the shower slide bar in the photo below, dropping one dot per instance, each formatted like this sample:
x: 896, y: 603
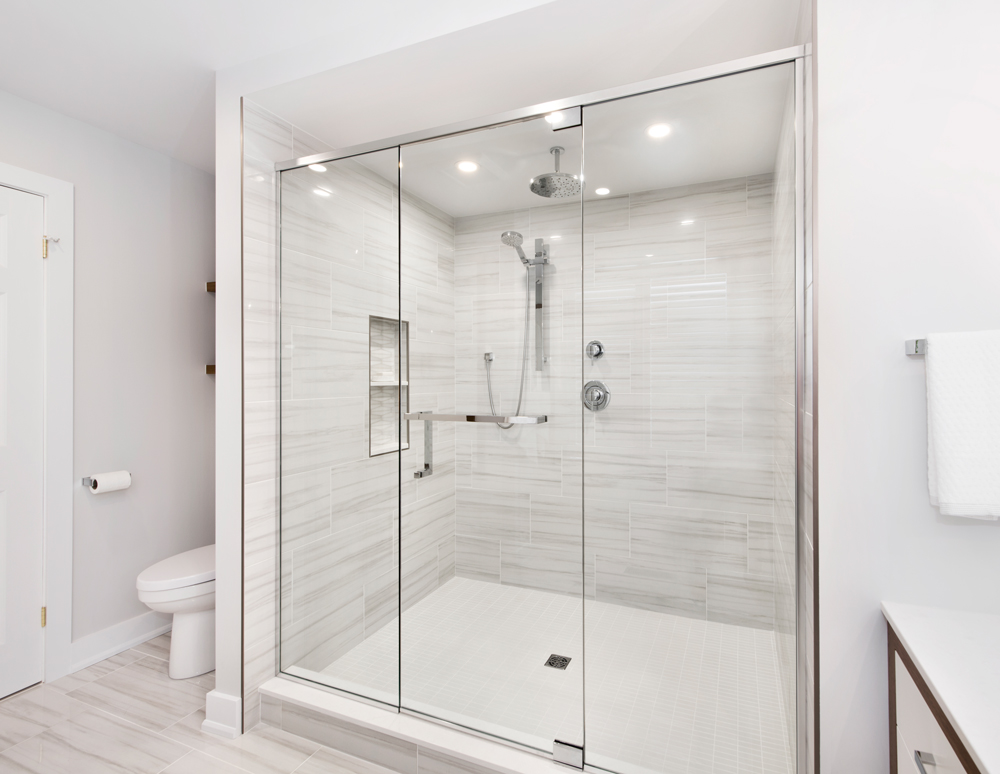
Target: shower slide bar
x: 429, y: 418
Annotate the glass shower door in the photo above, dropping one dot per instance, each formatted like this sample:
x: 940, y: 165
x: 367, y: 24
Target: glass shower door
x: 491, y: 529
x: 689, y: 288
x: 343, y: 381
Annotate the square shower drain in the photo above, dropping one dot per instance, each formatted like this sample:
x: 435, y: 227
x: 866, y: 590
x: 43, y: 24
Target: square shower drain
x: 558, y: 662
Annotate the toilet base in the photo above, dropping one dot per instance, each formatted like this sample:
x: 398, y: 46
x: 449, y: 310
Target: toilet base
x: 192, y: 644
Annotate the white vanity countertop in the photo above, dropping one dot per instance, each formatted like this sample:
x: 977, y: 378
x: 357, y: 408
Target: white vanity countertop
x: 958, y: 655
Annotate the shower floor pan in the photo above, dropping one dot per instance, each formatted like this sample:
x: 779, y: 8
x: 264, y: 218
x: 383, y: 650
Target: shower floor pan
x: 665, y: 693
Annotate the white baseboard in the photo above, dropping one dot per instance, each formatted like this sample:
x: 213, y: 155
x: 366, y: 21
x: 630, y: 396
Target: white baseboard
x: 223, y: 715
x: 98, y: 646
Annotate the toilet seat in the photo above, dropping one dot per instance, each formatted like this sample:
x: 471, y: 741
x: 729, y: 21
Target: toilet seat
x: 177, y: 572
x: 177, y: 594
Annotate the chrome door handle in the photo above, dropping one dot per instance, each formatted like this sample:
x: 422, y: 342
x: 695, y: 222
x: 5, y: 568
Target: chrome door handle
x: 428, y: 468
x: 924, y: 757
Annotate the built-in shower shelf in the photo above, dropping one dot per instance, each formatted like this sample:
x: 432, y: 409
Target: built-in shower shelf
x: 390, y: 384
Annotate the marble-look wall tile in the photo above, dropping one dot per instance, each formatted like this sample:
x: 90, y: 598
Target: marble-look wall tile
x: 739, y: 245
x: 502, y: 467
x: 687, y: 537
x: 741, y: 599
x: 477, y: 558
x: 741, y: 483
x: 557, y: 521
x: 651, y: 586
x: 334, y: 564
x: 305, y: 290
x: 317, y: 640
x: 322, y: 433
x: 259, y: 509
x: 328, y: 364
x: 305, y: 507
x: 625, y: 474
x: 724, y: 423
x: 544, y: 567
x: 362, y: 489
x: 493, y: 514
x: 720, y: 199
x: 760, y: 192
x: 677, y: 422
x: 329, y: 227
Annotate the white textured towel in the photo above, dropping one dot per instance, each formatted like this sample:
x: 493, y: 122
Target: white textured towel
x: 963, y: 423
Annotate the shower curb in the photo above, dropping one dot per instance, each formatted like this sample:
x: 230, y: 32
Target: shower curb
x: 400, y: 742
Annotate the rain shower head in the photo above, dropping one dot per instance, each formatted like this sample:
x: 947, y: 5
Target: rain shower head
x: 515, y: 240
x: 556, y: 185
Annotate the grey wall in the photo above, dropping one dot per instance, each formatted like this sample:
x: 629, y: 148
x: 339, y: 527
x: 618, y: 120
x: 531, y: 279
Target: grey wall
x: 144, y: 329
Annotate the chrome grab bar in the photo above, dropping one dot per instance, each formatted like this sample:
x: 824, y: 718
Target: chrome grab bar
x: 427, y: 416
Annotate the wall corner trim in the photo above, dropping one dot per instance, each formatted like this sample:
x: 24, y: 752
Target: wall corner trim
x: 223, y: 715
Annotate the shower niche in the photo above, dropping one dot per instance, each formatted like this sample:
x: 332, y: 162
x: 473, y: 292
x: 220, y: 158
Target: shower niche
x: 389, y: 384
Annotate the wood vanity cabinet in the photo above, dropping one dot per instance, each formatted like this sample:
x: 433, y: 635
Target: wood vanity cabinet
x: 917, y: 723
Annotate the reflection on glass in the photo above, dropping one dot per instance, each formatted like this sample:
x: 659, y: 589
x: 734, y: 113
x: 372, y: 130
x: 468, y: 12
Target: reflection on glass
x: 491, y: 543
x: 689, y: 474
x: 344, y: 361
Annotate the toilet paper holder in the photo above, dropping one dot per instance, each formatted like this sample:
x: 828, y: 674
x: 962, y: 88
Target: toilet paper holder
x: 99, y: 483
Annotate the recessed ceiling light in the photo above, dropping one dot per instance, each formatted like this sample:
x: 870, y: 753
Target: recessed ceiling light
x: 317, y: 168
x: 602, y: 191
x: 658, y: 130
x: 467, y: 166
x: 555, y: 236
x: 686, y: 222
x: 320, y: 192
x: 555, y: 118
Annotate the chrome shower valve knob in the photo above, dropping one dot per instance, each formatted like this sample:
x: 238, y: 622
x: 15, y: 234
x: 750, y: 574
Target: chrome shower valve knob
x: 596, y: 396
x: 595, y: 349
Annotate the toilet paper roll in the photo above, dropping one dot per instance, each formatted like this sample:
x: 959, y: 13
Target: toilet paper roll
x: 110, y: 482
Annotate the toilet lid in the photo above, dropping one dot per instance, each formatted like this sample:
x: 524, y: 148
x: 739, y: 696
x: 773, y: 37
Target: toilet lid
x: 187, y: 569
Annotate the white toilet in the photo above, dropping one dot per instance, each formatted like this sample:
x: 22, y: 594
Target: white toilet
x: 184, y: 585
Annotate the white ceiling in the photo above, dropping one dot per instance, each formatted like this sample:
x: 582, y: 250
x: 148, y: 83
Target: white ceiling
x: 720, y: 129
x: 145, y: 70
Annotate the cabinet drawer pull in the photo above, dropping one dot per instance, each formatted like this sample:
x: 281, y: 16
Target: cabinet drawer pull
x: 924, y: 757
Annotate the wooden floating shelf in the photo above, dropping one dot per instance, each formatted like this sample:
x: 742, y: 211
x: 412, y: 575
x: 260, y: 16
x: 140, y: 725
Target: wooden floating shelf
x: 210, y: 370
x: 210, y: 287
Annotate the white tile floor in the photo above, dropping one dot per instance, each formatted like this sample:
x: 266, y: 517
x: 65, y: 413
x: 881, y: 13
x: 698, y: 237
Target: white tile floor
x: 126, y: 715
x: 664, y: 693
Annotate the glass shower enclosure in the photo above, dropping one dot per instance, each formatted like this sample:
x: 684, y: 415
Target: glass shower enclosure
x: 538, y: 427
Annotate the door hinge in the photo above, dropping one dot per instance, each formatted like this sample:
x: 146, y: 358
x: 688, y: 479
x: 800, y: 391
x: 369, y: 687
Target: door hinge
x: 45, y: 254
x: 43, y: 617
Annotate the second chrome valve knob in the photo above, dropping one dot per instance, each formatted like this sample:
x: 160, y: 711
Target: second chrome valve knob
x: 596, y: 396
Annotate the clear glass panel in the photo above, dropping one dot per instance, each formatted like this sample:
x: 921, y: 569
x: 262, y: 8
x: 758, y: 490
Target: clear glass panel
x: 491, y: 539
x: 689, y: 472
x: 344, y: 364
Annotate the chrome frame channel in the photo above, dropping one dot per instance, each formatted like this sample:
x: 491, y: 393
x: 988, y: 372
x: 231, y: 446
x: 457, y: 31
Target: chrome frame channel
x: 797, y: 55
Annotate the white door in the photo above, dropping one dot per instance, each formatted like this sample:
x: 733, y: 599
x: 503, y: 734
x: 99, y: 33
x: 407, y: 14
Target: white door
x: 21, y: 403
